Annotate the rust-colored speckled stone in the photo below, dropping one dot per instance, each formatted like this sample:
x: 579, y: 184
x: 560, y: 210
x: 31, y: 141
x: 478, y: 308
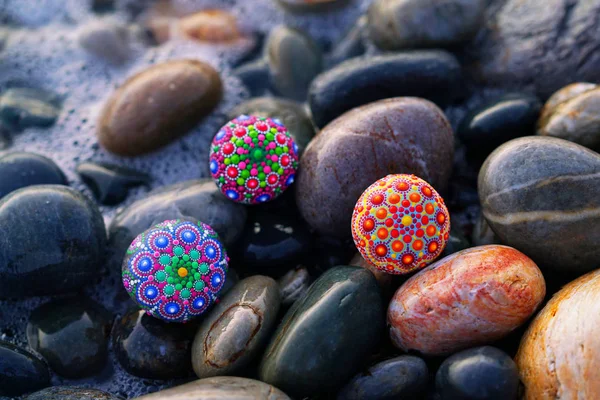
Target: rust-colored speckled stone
x: 559, y: 356
x: 471, y: 297
x: 158, y: 105
x: 402, y: 135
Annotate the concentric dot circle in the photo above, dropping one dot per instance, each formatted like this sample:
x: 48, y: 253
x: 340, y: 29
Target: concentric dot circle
x: 253, y: 160
x: 175, y: 270
x: 400, y: 224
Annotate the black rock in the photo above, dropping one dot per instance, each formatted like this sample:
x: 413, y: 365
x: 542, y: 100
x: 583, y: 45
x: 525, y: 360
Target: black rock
x: 433, y: 75
x: 481, y: 373
x: 72, y: 335
x: 53, y: 241
x: 20, y: 371
x: 456, y: 242
x: 5, y: 137
x: 325, y: 335
x: 71, y: 393
x: 293, y: 285
x: 18, y: 170
x: 110, y: 183
x: 198, y: 199
x: 150, y: 348
x: 272, y: 243
x: 310, y: 6
x: 22, y: 108
x: 291, y: 113
x: 497, y: 121
x: 255, y: 76
x: 351, y: 45
x: 294, y: 59
x: 403, y: 377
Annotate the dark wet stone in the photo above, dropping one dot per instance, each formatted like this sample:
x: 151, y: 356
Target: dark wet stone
x: 102, y: 6
x: 109, y: 183
x: 309, y: 6
x: 22, y: 108
x: 236, y: 330
x: 403, y: 377
x: 291, y: 113
x: 477, y: 374
x: 294, y: 59
x: 6, y: 140
x: 483, y: 234
x: 220, y: 387
x: 293, y: 285
x: 542, y: 45
x: 384, y: 280
x: 329, y: 252
x: 183, y: 92
x: 198, y: 199
x: 272, y: 241
x: 72, y: 336
x: 430, y: 74
x: 309, y: 352
x: 255, y: 76
x: 20, y: 371
x: 351, y: 45
x: 497, y: 121
x: 53, y: 241
x: 402, y: 24
x: 18, y: 170
x: 150, y: 348
x: 576, y: 119
x: 71, y: 393
x: 456, y: 242
x: 541, y: 195
x: 399, y: 135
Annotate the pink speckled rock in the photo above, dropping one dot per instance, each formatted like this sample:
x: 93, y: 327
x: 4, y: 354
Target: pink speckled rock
x: 471, y: 297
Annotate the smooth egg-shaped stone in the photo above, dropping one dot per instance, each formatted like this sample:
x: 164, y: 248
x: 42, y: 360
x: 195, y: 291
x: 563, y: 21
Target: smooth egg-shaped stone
x: 402, y: 24
x: 53, y: 241
x: 235, y: 332
x: 294, y: 59
x: 293, y: 285
x: 72, y: 335
x: 396, y: 378
x: 310, y: 351
x: 20, y: 371
x: 219, y: 388
x: 430, y: 74
x: 22, y: 108
x: 71, y: 393
x: 109, y: 183
x: 197, y: 199
x: 291, y: 113
x: 20, y: 169
x: 399, y: 135
x: 471, y: 297
x: 106, y: 41
x: 273, y: 241
x: 481, y: 373
x: 559, y: 355
x: 150, y: 348
x: 497, y: 121
x: 157, y: 106
x: 211, y: 26
x: 576, y: 119
x: 541, y: 195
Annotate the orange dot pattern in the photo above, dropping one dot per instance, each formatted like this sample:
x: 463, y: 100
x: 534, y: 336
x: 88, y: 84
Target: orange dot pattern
x: 400, y: 224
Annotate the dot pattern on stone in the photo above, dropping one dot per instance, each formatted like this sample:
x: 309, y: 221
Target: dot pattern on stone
x: 253, y: 160
x: 175, y: 270
x: 400, y: 224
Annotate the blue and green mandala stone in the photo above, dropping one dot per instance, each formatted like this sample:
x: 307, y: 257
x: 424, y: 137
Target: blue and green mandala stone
x: 175, y: 270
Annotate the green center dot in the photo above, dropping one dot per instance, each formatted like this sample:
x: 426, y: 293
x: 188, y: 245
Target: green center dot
x: 257, y: 154
x: 262, y: 176
x: 188, y: 284
x: 286, y: 149
x: 241, y: 181
x: 245, y: 174
x: 169, y: 290
x: 263, y: 184
x: 186, y: 258
x: 178, y: 286
x: 164, y: 259
x: 239, y: 142
x: 185, y: 293
x: 227, y: 161
x: 203, y: 268
x: 161, y: 276
x: 197, y: 276
x: 199, y: 285
x: 235, y: 159
x: 169, y: 280
x: 278, y: 151
x: 269, y: 137
x: 194, y: 255
x: 253, y: 134
x: 280, y: 171
x: 195, y: 264
x: 178, y: 251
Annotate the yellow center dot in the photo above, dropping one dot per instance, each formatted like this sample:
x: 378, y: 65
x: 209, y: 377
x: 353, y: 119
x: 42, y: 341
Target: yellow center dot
x: 182, y: 272
x: 406, y: 220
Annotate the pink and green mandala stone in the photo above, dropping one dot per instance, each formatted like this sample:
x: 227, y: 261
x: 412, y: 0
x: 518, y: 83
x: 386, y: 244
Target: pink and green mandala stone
x: 175, y: 270
x: 253, y: 160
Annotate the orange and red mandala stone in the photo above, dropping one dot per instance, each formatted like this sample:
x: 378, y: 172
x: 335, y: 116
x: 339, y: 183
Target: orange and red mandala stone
x: 400, y: 224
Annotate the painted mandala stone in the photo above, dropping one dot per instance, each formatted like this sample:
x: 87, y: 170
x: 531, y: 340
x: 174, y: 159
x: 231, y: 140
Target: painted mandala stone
x: 400, y: 224
x: 253, y: 160
x: 175, y: 270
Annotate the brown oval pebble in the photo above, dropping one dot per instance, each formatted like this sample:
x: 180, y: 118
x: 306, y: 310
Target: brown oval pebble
x: 559, y: 356
x: 214, y: 26
x: 158, y: 105
x: 472, y: 297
